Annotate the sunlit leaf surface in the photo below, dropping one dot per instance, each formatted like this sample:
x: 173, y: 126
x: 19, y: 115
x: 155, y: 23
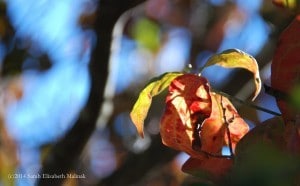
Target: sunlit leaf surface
x: 196, y: 120
x: 143, y: 103
x: 234, y: 58
x: 188, y: 104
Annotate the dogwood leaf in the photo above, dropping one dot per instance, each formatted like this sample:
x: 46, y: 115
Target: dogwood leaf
x: 143, y: 103
x: 234, y: 58
x: 213, y: 167
x: 196, y: 120
x: 285, y: 68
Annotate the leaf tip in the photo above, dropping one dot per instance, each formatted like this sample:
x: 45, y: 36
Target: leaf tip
x: 138, y: 124
x: 258, y: 86
x: 141, y: 135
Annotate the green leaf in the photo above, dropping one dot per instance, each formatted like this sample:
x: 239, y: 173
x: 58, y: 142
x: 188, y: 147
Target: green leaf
x: 143, y: 103
x: 234, y: 58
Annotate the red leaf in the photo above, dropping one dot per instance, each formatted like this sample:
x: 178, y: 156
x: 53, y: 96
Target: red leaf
x: 236, y: 125
x: 188, y: 101
x: 292, y: 137
x: 194, y: 119
x: 215, y: 167
x: 214, y: 129
x: 269, y: 133
x: 286, y: 65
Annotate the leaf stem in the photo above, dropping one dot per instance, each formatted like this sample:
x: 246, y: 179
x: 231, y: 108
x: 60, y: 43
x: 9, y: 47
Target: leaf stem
x: 247, y: 103
x: 227, y: 128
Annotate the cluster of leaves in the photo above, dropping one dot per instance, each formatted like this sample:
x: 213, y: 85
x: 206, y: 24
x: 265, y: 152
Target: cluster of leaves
x: 197, y: 119
x: 200, y: 121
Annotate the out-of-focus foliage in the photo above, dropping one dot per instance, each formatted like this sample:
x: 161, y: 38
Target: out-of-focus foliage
x: 147, y: 33
x: 265, y: 165
x: 289, y: 4
x: 294, y: 97
x: 262, y: 156
x: 10, y: 92
x: 46, y: 55
x: 8, y: 157
x: 285, y: 67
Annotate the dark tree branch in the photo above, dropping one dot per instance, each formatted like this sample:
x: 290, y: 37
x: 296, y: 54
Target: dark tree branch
x: 65, y: 154
x: 137, y: 165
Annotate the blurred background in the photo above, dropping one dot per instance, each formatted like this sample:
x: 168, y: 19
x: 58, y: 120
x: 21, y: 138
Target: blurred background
x: 45, y: 50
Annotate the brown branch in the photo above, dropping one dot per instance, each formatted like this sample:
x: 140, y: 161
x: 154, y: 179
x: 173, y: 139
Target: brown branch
x: 66, y: 152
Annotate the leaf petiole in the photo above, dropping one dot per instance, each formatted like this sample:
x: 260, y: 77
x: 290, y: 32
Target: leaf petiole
x: 247, y: 103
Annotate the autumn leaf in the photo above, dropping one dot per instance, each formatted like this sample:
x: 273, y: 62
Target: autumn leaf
x: 143, y: 103
x: 210, y: 167
x: 285, y: 70
x: 214, y: 129
x: 187, y: 104
x: 196, y: 120
x: 285, y: 67
x: 292, y: 136
x: 236, y: 125
x: 269, y: 133
x: 234, y: 58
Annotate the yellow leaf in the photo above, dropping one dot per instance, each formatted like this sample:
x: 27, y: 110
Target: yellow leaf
x: 143, y: 103
x: 234, y: 58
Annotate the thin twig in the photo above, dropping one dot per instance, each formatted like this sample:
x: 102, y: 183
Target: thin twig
x: 279, y: 95
x: 247, y: 103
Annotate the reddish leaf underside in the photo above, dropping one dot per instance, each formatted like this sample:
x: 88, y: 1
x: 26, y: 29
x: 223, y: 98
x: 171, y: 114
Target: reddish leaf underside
x: 285, y: 76
x: 269, y: 133
x: 194, y: 119
x: 286, y: 65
